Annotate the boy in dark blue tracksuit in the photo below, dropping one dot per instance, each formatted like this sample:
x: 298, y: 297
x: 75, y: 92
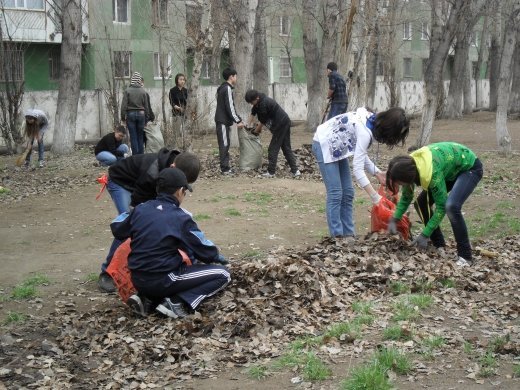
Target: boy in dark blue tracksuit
x: 158, y: 229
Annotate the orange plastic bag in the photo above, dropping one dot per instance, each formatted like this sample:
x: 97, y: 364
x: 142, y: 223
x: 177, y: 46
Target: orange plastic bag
x: 384, y: 210
x: 118, y: 270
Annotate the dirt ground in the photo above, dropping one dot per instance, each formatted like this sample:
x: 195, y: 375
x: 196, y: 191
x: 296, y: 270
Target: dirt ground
x: 56, y: 227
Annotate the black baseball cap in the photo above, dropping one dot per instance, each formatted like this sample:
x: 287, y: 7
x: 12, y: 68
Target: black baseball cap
x: 171, y: 179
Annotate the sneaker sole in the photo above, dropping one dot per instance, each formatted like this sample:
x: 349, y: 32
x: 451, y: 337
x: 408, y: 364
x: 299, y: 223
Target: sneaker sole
x: 167, y: 312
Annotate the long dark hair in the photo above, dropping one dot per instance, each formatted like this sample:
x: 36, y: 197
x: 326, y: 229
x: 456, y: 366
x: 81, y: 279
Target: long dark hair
x: 177, y: 78
x: 391, y: 127
x: 402, y: 169
x: 31, y: 130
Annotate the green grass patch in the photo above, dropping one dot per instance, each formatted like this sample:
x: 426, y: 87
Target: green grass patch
x: 498, y: 342
x: 468, y: 348
x: 257, y: 372
x: 434, y: 342
x: 447, y: 283
x: 4, y: 191
x: 488, y: 364
x: 92, y: 277
x: 14, y: 317
x: 364, y: 319
x: 360, y: 201
x: 422, y: 286
x: 259, y: 198
x: 397, y: 333
x: 218, y: 198
x: 403, y: 311
x: 422, y: 301
x: 232, y: 212
x: 362, y: 307
x: 339, y: 331
x: 27, y: 289
x: 315, y: 369
x: 304, y: 343
x: 253, y: 254
x: 398, y: 288
x: 393, y: 359
x: 367, y: 377
x: 516, y: 371
x: 201, y: 217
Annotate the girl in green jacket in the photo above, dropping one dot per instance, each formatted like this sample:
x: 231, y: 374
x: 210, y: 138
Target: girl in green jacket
x: 448, y: 173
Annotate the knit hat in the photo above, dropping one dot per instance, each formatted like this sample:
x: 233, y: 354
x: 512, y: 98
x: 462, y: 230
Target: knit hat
x: 136, y: 79
x: 171, y: 179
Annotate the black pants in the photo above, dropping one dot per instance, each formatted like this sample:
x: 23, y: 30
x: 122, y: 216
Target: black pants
x: 281, y: 140
x: 224, y: 140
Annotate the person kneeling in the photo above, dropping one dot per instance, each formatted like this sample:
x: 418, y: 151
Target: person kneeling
x: 158, y: 229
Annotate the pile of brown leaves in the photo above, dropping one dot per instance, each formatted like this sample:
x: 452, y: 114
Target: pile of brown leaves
x: 269, y: 303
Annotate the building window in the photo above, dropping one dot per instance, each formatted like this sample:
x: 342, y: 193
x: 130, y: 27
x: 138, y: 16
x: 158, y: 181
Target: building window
x: 424, y: 65
x: 120, y: 10
x: 407, y: 67
x: 474, y: 39
x: 160, y: 12
x: 26, y: 4
x: 204, y: 71
x: 285, y: 25
x: 285, y: 67
x: 54, y: 64
x: 425, y: 31
x: 407, y: 31
x: 166, y: 63
x: 13, y: 62
x: 122, y: 63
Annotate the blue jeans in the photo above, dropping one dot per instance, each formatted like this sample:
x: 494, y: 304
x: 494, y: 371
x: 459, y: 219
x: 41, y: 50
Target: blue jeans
x: 340, y: 194
x: 41, y: 149
x: 106, y: 158
x: 135, y: 121
x: 463, y: 186
x: 337, y: 109
x: 120, y: 196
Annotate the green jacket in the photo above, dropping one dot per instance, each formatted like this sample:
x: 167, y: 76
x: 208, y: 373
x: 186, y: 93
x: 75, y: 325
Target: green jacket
x: 437, y: 164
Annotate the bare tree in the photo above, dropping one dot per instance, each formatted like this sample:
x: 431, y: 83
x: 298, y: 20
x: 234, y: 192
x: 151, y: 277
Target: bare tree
x: 495, y: 51
x: 260, y: 65
x: 11, y: 77
x: 482, y: 49
x: 442, y: 34
x: 504, y: 84
x: 372, y: 33
x: 69, y: 85
x: 514, y: 98
x: 318, y: 18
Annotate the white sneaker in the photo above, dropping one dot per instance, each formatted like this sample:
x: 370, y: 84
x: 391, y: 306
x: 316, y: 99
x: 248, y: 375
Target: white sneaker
x: 268, y: 175
x: 462, y: 262
x: 297, y: 174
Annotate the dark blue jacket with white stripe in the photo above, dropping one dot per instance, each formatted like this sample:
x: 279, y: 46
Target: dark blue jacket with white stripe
x: 226, y: 112
x: 158, y: 228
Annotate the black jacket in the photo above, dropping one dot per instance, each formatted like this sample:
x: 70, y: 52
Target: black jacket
x: 138, y: 173
x: 226, y: 112
x: 109, y: 144
x: 270, y: 114
x: 178, y: 97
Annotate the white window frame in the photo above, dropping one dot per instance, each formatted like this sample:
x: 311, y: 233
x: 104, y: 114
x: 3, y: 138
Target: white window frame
x: 157, y: 66
x: 204, y: 70
x: 160, y: 18
x: 129, y: 68
x: 425, y: 31
x: 407, y: 60
x: 23, y: 5
x: 116, y: 17
x: 407, y: 31
x: 282, y: 67
x: 474, y: 39
x: 54, y: 64
x: 17, y: 73
x: 287, y: 24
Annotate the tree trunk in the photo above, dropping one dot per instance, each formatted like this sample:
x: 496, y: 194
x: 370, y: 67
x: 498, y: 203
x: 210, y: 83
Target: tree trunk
x: 69, y: 89
x: 260, y: 67
x: 504, y: 81
x: 202, y: 41
x: 372, y: 34
x: 514, y: 98
x: 316, y: 58
x: 482, y: 48
x: 468, y: 99
x: 495, y: 52
x: 453, y: 107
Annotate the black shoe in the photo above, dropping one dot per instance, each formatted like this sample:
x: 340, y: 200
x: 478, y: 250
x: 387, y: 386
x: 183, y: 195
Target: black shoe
x: 140, y: 305
x: 172, y: 309
x: 106, y: 284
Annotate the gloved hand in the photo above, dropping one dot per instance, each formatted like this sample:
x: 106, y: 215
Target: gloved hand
x: 376, y: 198
x: 421, y: 241
x: 221, y: 260
x: 392, y: 226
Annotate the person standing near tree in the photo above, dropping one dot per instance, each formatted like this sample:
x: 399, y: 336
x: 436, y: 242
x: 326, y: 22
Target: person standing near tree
x: 272, y: 116
x: 225, y: 116
x: 178, y: 100
x: 36, y: 123
x: 134, y: 110
x: 337, y: 93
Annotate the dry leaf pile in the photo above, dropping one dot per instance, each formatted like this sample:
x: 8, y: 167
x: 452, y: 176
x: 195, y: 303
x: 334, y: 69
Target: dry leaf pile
x: 270, y: 303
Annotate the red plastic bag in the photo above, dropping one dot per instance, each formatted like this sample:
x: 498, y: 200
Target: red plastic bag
x: 384, y: 210
x: 118, y: 270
